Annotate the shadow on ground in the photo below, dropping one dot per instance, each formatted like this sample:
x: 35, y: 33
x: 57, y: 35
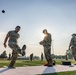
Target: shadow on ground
x: 3, y: 70
x: 49, y: 71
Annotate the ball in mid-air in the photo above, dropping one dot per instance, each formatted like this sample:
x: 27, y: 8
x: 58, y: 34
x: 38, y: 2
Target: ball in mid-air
x: 3, y: 11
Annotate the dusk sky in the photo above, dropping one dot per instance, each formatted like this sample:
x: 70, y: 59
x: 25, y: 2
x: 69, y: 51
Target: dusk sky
x: 57, y: 16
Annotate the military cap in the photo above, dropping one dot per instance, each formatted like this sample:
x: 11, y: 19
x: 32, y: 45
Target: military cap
x: 44, y: 30
x: 74, y: 34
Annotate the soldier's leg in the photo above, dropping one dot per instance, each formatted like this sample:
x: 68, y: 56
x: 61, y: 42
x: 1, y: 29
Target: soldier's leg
x: 12, y: 53
x: 45, y: 53
x: 46, y: 60
x: 74, y: 52
x: 20, y: 51
x: 17, y: 48
x: 48, y: 55
x: 15, y: 54
x: 14, y: 46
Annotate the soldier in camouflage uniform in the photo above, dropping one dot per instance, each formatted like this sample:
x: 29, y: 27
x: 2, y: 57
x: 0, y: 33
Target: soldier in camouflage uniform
x: 12, y: 43
x: 72, y: 46
x: 46, y: 42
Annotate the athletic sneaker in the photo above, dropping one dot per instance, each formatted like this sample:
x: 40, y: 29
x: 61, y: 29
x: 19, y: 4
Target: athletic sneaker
x: 23, y: 50
x: 50, y: 65
x: 11, y: 67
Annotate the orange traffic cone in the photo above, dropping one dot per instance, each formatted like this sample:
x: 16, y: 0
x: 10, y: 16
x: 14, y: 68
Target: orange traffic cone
x: 44, y: 63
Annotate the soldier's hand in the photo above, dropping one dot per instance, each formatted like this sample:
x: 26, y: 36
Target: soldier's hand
x: 69, y: 48
x: 40, y: 42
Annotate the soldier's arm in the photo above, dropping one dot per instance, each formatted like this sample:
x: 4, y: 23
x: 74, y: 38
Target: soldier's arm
x: 6, y: 38
x: 50, y: 38
x: 42, y: 42
x: 71, y: 42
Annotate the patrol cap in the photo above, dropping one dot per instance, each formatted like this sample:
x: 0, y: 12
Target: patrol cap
x: 44, y: 30
x: 74, y: 34
x: 18, y: 27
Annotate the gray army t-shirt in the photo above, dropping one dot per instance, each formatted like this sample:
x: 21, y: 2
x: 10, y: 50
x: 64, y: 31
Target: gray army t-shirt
x: 13, y: 36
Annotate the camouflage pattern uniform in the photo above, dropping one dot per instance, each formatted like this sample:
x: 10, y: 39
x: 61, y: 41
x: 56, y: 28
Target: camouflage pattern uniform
x: 73, y: 45
x: 12, y: 43
x: 46, y: 42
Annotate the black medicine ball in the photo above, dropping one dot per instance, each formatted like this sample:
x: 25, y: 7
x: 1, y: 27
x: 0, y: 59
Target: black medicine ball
x: 3, y: 11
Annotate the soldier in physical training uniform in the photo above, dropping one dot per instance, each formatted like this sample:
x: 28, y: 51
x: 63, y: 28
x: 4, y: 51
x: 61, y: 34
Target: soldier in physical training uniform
x: 72, y: 46
x: 13, y: 44
x: 46, y: 42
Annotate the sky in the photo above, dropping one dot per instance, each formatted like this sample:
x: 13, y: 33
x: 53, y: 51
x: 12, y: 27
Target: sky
x: 57, y: 16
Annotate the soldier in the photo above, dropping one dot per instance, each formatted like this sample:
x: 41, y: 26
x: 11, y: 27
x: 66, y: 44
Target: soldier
x: 41, y: 56
x: 46, y: 42
x: 72, y: 46
x: 9, y: 56
x: 12, y: 43
x: 31, y: 57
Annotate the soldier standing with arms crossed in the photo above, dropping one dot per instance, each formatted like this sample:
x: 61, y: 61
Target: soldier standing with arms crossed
x: 12, y: 43
x: 46, y: 42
